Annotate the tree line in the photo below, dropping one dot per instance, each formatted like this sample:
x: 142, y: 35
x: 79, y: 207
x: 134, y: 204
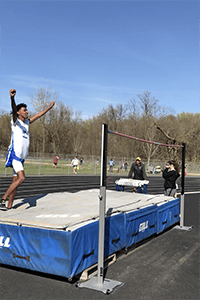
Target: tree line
x: 63, y: 131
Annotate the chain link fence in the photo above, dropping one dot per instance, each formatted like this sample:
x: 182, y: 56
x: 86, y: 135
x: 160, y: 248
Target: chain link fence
x: 42, y: 164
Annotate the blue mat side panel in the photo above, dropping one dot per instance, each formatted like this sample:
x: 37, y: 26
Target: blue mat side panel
x: 47, y: 251
x: 114, y: 234
x: 140, y: 224
x: 50, y: 251
x: 84, y: 247
x: 168, y: 214
x: 59, y: 252
x: 121, y: 230
x: 85, y: 241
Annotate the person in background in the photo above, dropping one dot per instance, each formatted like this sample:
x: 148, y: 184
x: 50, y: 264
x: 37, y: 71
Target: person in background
x: 75, y: 164
x: 55, y: 161
x: 111, y: 165
x: 125, y: 165
x: 138, y: 169
x: 81, y: 161
x: 171, y: 174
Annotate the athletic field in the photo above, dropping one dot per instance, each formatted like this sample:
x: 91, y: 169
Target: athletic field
x: 164, y: 267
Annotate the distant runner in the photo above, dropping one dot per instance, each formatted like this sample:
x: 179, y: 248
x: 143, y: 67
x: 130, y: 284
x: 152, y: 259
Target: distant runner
x: 75, y: 164
x: 55, y: 161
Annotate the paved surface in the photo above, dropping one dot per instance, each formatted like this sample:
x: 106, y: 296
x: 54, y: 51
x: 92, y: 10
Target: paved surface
x: 165, y: 267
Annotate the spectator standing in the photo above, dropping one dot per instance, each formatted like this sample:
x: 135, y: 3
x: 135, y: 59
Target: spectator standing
x: 81, y: 161
x: 111, y: 164
x: 139, y: 173
x: 171, y: 174
x: 125, y: 165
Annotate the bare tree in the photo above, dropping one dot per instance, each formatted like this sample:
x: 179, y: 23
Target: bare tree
x: 77, y: 130
x: 5, y: 131
x: 148, y: 104
x: 115, y: 118
x: 170, y: 140
x: 57, y: 124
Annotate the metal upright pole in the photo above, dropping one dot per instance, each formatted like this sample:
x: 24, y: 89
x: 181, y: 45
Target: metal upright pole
x: 182, y: 186
x: 182, y: 200
x: 99, y: 282
x: 102, y: 202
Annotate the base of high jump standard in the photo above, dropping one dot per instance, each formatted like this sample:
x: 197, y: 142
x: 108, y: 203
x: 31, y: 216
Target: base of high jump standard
x: 181, y: 226
x: 107, y: 287
x: 187, y: 228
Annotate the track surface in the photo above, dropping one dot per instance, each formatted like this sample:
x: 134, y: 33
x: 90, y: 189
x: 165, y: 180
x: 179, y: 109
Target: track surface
x: 35, y: 185
x: 165, y: 267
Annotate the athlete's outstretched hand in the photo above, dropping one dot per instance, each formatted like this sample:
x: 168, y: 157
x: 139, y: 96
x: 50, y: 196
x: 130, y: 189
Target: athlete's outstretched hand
x: 52, y: 104
x: 12, y: 92
x: 40, y: 114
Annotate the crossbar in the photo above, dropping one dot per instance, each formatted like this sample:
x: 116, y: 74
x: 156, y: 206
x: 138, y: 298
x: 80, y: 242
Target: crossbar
x: 141, y: 140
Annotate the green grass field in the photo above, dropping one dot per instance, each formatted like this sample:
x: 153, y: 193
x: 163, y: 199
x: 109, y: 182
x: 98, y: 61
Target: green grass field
x: 45, y: 167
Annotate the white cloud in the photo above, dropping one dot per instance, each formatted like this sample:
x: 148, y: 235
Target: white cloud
x: 35, y: 82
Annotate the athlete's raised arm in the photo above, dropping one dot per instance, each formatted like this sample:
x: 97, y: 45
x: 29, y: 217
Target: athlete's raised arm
x: 40, y: 114
x: 13, y: 104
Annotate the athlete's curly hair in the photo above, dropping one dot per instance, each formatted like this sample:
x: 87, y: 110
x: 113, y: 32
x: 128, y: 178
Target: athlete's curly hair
x: 18, y: 106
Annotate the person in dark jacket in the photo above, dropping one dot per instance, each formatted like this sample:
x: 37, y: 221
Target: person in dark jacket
x: 138, y: 169
x: 170, y: 174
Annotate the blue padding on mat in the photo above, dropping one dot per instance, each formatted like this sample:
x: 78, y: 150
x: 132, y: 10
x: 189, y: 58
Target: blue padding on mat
x: 114, y: 234
x: 168, y: 214
x: 49, y: 251
x: 36, y: 249
x: 68, y: 253
x: 84, y: 248
x: 59, y: 252
x: 140, y: 224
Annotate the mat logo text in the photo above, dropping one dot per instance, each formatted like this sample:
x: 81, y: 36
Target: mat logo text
x: 143, y: 226
x: 4, y: 242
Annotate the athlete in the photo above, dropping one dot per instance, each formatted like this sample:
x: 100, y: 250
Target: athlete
x: 55, y: 161
x: 19, y: 145
x: 75, y: 164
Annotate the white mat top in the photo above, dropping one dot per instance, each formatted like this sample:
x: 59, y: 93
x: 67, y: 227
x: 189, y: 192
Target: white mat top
x: 68, y: 210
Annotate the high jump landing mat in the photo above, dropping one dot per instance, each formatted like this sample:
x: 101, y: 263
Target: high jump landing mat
x: 58, y: 233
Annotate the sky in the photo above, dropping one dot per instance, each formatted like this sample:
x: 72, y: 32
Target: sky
x: 97, y: 53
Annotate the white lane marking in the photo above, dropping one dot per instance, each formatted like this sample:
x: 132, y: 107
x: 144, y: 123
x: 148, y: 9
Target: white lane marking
x: 57, y: 216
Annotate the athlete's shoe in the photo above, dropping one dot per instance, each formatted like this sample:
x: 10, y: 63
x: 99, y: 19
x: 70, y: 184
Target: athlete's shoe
x: 3, y: 204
